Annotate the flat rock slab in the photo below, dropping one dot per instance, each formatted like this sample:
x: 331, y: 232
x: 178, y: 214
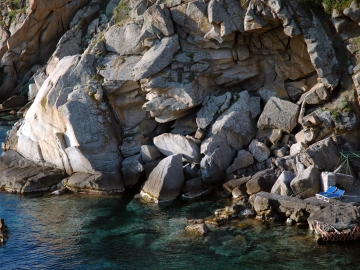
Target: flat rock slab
x: 93, y: 184
x: 172, y: 144
x: 19, y: 175
x: 340, y: 216
x: 285, y: 205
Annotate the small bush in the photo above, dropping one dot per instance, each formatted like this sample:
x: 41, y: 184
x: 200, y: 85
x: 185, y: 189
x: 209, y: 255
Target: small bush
x: 122, y: 11
x: 340, y: 5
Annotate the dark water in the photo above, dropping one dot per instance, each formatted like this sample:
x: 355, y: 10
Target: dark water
x: 120, y: 232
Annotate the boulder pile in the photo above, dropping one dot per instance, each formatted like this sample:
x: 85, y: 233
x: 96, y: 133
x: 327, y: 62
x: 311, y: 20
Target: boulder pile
x: 182, y: 97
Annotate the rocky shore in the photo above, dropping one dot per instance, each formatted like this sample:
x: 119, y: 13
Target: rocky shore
x: 3, y: 231
x: 183, y: 97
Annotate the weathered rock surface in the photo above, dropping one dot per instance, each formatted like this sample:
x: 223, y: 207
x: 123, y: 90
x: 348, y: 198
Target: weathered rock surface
x: 210, y: 66
x: 218, y: 157
x: 54, y: 130
x: 33, y: 38
x: 324, y: 154
x: 165, y: 181
x: 214, y: 105
x: 124, y: 40
x: 19, y: 175
x: 279, y: 114
x: 157, y: 58
x: 237, y: 125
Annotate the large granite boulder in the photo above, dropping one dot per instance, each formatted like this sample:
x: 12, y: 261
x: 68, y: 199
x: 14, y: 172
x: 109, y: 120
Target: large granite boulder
x: 324, y: 154
x: 172, y: 144
x: 166, y: 181
x: 307, y: 183
x: 54, y: 129
x: 280, y: 114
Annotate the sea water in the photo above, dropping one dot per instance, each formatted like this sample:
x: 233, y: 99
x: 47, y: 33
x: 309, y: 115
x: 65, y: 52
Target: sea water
x: 75, y: 231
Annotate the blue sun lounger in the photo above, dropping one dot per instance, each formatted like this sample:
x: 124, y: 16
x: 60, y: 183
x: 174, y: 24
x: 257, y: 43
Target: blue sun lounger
x: 336, y: 195
x: 329, y: 191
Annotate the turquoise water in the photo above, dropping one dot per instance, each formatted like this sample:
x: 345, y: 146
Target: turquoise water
x: 120, y: 232
x: 89, y: 232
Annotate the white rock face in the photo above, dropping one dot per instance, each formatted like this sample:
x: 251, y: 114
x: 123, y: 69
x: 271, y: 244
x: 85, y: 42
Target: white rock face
x: 55, y: 131
x: 172, y: 144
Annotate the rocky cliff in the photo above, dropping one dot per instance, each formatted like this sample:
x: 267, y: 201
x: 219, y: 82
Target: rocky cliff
x: 184, y: 95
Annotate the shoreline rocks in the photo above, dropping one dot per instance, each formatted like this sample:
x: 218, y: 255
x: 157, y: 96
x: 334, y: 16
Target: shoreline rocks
x: 3, y: 231
x: 180, y: 98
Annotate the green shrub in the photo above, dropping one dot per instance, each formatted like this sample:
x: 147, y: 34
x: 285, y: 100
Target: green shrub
x: 340, y: 5
x: 122, y: 11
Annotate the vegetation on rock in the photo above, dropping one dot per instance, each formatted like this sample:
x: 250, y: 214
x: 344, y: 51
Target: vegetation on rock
x: 330, y: 5
x: 122, y: 11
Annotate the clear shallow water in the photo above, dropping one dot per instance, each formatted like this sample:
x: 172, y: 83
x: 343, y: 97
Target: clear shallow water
x: 119, y: 232
x: 87, y: 232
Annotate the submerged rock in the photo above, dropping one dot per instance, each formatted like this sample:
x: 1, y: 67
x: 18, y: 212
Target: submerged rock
x: 198, y: 229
